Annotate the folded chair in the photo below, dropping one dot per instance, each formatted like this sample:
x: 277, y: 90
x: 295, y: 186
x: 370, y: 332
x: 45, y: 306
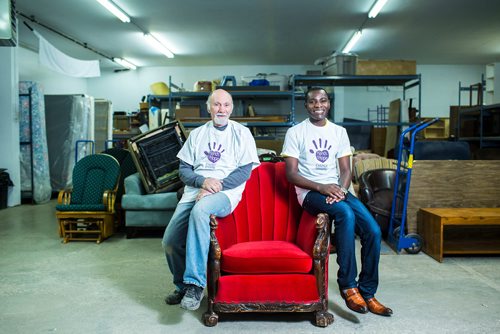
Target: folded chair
x: 268, y: 255
x: 86, y: 212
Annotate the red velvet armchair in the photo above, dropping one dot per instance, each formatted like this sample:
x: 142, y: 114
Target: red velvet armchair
x: 268, y: 255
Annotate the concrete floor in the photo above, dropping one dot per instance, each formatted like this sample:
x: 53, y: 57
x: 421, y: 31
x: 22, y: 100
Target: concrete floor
x: 119, y: 286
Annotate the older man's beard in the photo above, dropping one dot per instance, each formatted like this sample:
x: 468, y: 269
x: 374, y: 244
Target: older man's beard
x: 221, y: 119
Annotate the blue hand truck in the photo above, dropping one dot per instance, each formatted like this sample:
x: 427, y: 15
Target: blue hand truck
x: 396, y: 236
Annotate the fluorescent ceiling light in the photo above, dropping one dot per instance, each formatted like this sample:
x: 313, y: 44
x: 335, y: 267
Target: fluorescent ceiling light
x: 376, y: 8
x: 158, y: 46
x: 354, y: 39
x: 125, y: 63
x: 109, y: 5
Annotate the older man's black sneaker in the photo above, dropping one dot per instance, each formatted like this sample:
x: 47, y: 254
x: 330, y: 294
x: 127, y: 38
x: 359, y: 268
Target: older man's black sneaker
x: 175, y: 297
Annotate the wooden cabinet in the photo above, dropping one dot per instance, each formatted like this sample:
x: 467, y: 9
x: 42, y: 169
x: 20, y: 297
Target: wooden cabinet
x: 440, y: 130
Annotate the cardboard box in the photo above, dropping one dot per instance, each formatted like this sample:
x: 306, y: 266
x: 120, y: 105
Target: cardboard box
x: 187, y: 112
x: 386, y: 67
x: 121, y: 122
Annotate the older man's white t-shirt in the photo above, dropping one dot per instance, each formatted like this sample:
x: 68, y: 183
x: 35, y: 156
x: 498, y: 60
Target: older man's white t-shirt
x: 214, y: 153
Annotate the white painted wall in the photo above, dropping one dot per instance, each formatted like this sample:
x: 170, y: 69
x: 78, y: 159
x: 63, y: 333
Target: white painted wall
x: 440, y: 86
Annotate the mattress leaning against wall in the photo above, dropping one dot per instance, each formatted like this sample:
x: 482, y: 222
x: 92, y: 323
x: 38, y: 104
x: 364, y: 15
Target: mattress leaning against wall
x: 69, y: 118
x: 103, y: 128
x: 35, y: 174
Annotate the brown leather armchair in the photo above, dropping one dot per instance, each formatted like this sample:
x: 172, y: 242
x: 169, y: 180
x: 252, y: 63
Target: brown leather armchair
x: 376, y: 191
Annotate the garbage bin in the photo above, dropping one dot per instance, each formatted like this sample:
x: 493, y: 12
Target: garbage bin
x: 5, y: 183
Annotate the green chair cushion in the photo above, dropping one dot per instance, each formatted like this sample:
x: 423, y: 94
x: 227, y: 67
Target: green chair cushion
x: 81, y: 207
x: 92, y: 175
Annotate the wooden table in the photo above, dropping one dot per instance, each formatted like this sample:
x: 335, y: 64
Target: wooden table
x: 459, y: 231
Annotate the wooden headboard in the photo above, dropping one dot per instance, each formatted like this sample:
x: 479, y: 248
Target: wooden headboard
x: 452, y: 184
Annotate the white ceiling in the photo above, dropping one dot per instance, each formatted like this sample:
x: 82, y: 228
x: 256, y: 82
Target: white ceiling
x: 268, y: 32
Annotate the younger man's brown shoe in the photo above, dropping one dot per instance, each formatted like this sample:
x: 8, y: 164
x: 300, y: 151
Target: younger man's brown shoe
x: 375, y: 307
x: 354, y: 300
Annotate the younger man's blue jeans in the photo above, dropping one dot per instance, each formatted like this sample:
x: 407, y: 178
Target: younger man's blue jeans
x: 351, y: 217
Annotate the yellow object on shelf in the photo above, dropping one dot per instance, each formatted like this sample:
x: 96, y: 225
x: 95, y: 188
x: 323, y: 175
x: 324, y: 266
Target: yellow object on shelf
x: 159, y: 88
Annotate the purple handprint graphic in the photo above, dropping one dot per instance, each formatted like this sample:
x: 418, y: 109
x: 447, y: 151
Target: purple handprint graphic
x: 214, y: 154
x: 321, y: 152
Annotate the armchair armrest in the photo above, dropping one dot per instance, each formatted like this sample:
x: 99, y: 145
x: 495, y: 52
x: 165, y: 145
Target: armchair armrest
x: 365, y: 194
x: 64, y: 197
x: 108, y: 199
x: 314, y: 238
x: 133, y: 185
x: 312, y: 235
x: 214, y: 255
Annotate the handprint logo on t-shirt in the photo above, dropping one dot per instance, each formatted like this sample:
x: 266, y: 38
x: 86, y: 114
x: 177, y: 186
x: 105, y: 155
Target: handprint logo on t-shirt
x: 321, y: 151
x: 214, y: 154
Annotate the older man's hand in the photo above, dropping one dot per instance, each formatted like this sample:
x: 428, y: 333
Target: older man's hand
x: 202, y: 193
x: 212, y: 185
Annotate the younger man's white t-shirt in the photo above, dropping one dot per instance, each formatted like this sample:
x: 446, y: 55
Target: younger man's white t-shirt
x: 317, y: 150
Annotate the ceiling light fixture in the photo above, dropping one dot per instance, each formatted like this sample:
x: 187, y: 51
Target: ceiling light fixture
x: 354, y: 39
x: 376, y: 8
x: 125, y: 63
x: 158, y: 46
x: 109, y: 5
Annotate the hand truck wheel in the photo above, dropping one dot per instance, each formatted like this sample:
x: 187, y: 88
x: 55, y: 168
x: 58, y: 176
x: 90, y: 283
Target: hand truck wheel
x: 416, y: 247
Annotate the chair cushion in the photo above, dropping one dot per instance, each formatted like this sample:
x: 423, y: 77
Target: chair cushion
x: 81, y: 207
x: 260, y: 257
x: 161, y: 201
x: 267, y: 288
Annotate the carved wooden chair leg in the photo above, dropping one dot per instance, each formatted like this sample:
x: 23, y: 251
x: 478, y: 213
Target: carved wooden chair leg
x: 210, y: 319
x: 323, y: 319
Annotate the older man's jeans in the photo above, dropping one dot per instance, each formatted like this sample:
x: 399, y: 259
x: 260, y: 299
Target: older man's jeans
x: 187, y: 239
x: 351, y: 217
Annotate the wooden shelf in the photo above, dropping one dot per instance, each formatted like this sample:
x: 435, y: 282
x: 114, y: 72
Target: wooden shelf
x: 438, y: 130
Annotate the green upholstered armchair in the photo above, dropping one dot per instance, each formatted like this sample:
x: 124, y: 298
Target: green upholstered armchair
x: 86, y: 211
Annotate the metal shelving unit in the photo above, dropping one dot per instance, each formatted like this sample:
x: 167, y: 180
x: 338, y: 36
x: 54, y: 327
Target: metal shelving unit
x: 240, y: 96
x: 405, y: 81
x: 484, y: 120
